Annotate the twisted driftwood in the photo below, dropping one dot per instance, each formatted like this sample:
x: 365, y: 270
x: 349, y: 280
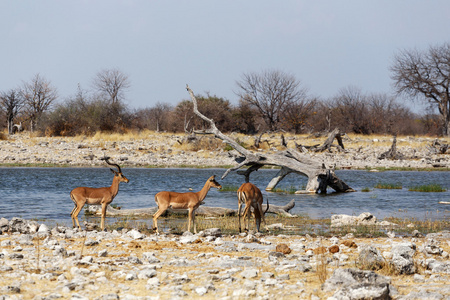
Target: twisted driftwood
x: 290, y: 161
x: 202, y: 211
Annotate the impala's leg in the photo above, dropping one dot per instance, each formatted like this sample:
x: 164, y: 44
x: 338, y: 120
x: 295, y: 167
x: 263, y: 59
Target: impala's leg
x: 239, y: 211
x: 161, y: 210
x: 155, y: 218
x: 257, y: 217
x: 102, y: 224
x: 246, y: 215
x: 76, y: 212
x: 193, y: 221
x: 190, y: 219
x: 71, y: 215
x: 262, y: 213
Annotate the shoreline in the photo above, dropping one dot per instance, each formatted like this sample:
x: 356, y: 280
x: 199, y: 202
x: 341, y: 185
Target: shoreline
x: 162, y: 150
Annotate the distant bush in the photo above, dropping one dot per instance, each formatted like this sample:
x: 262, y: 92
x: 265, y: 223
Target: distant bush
x: 84, y: 117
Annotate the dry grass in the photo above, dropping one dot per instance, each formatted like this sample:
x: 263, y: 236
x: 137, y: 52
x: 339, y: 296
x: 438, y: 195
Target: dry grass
x: 321, y: 268
x: 268, y: 140
x: 3, y: 136
x: 299, y: 225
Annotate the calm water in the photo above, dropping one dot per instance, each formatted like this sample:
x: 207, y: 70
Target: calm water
x: 43, y: 193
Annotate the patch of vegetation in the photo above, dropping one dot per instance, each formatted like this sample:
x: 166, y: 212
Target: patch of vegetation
x: 388, y: 186
x: 229, y: 188
x: 383, y: 169
x: 41, y: 165
x: 298, y: 225
x: 366, y: 189
x: 428, y: 188
x: 229, y: 148
x: 290, y: 190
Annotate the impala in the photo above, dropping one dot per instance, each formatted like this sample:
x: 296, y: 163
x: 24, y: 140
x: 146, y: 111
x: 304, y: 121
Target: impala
x: 189, y: 200
x: 251, y: 195
x: 97, y: 196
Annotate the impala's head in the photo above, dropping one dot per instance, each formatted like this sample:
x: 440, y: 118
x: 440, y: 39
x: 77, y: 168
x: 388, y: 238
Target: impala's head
x: 213, y: 183
x: 117, y: 173
x: 120, y: 176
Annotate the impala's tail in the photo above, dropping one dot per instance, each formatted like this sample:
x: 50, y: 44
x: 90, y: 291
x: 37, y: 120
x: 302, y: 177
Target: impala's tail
x: 267, y: 206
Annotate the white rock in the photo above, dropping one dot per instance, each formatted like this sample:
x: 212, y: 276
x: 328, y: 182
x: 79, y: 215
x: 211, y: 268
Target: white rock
x: 134, y: 234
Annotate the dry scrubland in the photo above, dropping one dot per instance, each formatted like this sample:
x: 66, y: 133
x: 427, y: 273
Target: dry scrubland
x: 150, y: 149
x: 62, y: 263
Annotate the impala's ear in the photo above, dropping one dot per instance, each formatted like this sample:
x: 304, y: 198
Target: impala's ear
x: 114, y: 172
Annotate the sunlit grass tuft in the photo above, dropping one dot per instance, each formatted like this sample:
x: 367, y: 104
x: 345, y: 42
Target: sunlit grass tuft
x: 290, y: 190
x: 428, y: 188
x: 388, y: 186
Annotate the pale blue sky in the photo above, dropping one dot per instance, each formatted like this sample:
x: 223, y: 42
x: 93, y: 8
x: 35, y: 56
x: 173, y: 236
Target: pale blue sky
x: 164, y: 45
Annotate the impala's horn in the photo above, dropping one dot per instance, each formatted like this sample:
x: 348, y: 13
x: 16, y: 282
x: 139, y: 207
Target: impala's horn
x: 106, y: 159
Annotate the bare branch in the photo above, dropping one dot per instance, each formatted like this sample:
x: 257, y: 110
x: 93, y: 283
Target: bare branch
x: 289, y: 160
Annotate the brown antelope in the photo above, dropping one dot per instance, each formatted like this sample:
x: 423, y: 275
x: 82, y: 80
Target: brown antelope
x: 189, y: 200
x: 97, y: 196
x: 251, y: 195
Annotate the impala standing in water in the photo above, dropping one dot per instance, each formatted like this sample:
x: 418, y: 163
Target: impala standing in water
x: 251, y: 195
x: 97, y: 196
x: 189, y: 200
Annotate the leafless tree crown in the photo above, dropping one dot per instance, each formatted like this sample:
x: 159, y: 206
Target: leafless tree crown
x: 113, y: 83
x: 38, y: 96
x: 271, y: 92
x: 425, y: 75
x: 11, y: 102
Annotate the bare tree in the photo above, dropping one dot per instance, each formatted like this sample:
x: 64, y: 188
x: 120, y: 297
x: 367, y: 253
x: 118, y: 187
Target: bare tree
x: 351, y: 107
x: 245, y: 117
x: 112, y: 83
x: 38, y: 96
x: 11, y: 103
x: 425, y: 76
x: 298, y: 114
x: 270, y: 92
x: 159, y: 114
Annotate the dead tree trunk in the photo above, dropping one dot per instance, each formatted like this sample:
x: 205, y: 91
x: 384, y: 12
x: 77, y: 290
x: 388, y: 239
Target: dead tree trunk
x: 437, y: 147
x: 290, y: 160
x: 392, y: 153
x: 335, y: 134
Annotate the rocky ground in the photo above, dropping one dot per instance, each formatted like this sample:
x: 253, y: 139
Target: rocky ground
x: 153, y: 149
x: 61, y: 263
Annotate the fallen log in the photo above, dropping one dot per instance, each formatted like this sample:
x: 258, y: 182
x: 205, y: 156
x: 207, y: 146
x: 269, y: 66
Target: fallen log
x: 201, y: 211
x: 290, y: 161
